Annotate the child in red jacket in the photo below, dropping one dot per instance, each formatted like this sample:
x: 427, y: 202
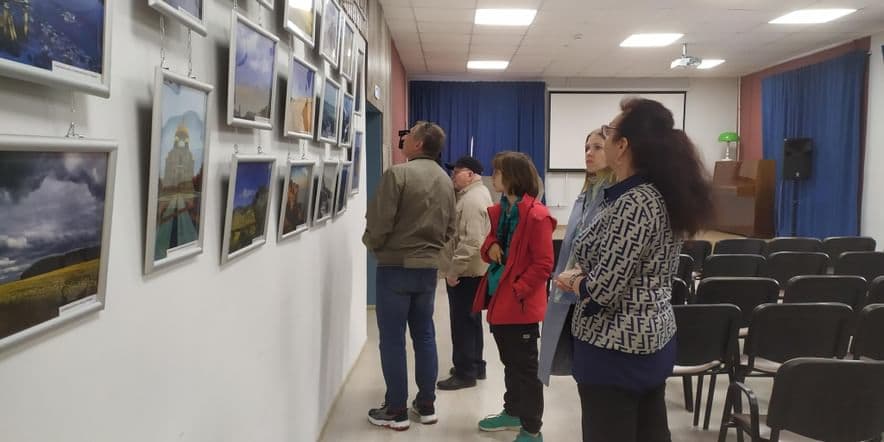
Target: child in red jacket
x: 520, y: 253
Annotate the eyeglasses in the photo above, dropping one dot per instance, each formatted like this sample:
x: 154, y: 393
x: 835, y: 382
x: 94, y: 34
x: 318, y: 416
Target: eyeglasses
x: 608, y: 131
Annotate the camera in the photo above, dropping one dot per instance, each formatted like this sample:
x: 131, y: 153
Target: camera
x: 403, y: 133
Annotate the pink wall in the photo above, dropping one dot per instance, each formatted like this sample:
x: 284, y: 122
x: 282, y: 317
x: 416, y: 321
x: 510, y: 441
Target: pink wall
x: 750, y: 94
x: 398, y: 101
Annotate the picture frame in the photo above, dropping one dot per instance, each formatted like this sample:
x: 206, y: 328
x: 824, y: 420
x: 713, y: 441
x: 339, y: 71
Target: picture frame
x: 325, y: 191
x: 342, y: 188
x: 266, y: 3
x: 175, y: 225
x: 57, y: 212
x: 190, y: 13
x: 328, y: 123
x: 346, y: 124
x: 248, y: 205
x: 355, y: 155
x: 330, y: 32
x: 359, y: 82
x: 251, y: 85
x: 296, y: 198
x: 301, y: 21
x: 300, y: 102
x: 348, y: 40
x: 32, y: 54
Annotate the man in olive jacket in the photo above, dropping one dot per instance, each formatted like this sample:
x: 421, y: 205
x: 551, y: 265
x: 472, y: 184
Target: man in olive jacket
x: 408, y: 222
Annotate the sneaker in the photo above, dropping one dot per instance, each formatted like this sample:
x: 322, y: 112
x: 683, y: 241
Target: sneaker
x: 425, y: 411
x: 387, y: 417
x: 480, y: 376
x: 524, y: 436
x: 500, y: 422
x: 455, y: 382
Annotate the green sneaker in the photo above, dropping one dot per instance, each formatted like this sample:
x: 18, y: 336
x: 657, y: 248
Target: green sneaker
x: 525, y: 437
x: 500, y: 422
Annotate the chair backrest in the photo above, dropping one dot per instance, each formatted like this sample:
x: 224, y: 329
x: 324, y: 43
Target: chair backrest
x: 846, y: 289
x: 876, y: 291
x: 745, y: 293
x: 739, y: 246
x: 697, y: 249
x: 685, y: 270
x: 868, y: 341
x: 706, y: 333
x: 836, y: 245
x: 733, y: 265
x: 869, y: 265
x: 680, y: 292
x: 794, y: 244
x: 780, y: 332
x: 782, y: 266
x: 826, y: 399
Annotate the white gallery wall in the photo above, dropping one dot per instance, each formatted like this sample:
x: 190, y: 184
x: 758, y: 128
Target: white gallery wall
x: 254, y: 351
x: 873, y: 179
x: 712, y: 107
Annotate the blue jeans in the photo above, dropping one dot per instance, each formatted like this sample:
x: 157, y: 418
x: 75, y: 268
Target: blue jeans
x: 406, y: 296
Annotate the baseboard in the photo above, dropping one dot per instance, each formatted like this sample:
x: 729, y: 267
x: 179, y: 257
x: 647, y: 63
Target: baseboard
x: 340, y: 391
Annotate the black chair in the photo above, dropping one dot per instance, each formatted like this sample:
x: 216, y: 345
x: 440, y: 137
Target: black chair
x: 707, y: 345
x: 836, y: 245
x: 876, y: 291
x: 733, y: 265
x: 698, y: 250
x: 794, y: 244
x: 782, y: 266
x: 680, y: 292
x: 685, y: 270
x: 823, y: 399
x: 869, y: 265
x: 739, y: 246
x: 846, y: 289
x: 868, y: 341
x: 745, y: 293
x: 780, y: 332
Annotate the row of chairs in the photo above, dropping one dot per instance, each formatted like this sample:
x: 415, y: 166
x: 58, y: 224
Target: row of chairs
x: 832, y: 247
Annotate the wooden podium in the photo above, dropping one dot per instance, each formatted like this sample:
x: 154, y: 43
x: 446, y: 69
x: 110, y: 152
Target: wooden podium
x: 743, y: 195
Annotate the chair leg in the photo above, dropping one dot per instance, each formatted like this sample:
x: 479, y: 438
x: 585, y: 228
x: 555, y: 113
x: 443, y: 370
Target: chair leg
x: 688, y: 393
x: 774, y: 435
x: 697, y: 401
x: 709, y: 402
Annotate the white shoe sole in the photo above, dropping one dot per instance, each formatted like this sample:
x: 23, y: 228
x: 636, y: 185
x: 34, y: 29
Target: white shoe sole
x: 393, y: 425
x: 426, y: 420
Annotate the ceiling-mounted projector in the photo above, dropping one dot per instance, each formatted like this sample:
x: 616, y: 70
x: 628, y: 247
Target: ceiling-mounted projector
x: 685, y: 61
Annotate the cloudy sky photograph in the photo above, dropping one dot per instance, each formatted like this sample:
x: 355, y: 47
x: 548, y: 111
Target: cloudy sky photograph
x: 52, y: 203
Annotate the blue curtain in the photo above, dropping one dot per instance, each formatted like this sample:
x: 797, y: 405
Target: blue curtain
x: 821, y: 102
x: 497, y: 115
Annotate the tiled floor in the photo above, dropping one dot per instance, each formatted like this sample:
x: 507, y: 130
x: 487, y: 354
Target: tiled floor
x: 459, y: 411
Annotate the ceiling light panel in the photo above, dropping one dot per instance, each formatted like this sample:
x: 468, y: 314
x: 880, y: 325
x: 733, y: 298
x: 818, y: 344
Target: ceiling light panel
x: 650, y: 40
x: 505, y: 17
x: 811, y: 16
x: 709, y: 63
x: 487, y: 64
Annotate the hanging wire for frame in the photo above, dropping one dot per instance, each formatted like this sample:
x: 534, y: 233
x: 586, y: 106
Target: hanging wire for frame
x: 190, y: 54
x: 235, y: 5
x: 163, y: 43
x: 303, y: 150
x: 236, y: 145
x: 72, y: 128
x: 260, y: 150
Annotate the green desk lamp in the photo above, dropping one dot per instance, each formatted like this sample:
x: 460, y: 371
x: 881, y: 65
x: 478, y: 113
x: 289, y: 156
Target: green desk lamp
x: 732, y: 140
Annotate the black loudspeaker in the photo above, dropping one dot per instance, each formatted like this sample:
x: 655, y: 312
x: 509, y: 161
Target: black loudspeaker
x: 797, y: 158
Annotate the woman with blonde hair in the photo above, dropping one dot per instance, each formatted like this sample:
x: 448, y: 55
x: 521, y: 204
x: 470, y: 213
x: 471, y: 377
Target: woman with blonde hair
x: 555, y: 341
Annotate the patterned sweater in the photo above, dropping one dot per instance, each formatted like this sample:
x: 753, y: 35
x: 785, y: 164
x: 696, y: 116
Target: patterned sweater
x: 630, y: 255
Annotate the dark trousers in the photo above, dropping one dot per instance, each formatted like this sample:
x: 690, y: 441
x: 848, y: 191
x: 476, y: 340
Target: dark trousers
x: 405, y: 297
x: 613, y: 414
x: 466, y: 329
x: 524, y: 392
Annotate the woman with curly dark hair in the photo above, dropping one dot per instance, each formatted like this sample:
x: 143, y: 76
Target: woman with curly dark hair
x: 623, y: 324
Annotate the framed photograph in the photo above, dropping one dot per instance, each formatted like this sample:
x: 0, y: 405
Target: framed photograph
x: 347, y: 50
x: 329, y: 111
x: 346, y: 120
x: 330, y: 32
x: 300, y: 102
x: 325, y: 191
x: 63, y: 44
x: 300, y: 20
x: 56, y: 201
x: 356, y: 157
x: 359, y: 82
x: 267, y: 4
x: 252, y: 77
x: 297, y: 193
x: 248, y: 208
x: 188, y: 12
x: 342, y: 189
x: 179, y: 154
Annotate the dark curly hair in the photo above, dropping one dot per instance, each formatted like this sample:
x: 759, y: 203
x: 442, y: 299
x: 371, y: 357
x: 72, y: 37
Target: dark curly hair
x: 669, y: 159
